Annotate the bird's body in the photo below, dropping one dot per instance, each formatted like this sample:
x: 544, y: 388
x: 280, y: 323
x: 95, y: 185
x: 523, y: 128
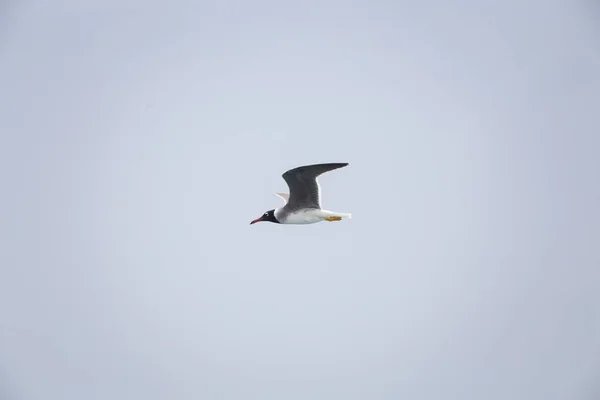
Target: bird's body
x: 303, y: 204
x: 308, y: 216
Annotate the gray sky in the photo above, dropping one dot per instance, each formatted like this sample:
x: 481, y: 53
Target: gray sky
x: 138, y: 141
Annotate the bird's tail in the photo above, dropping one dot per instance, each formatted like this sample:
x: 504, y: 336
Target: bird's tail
x: 336, y: 214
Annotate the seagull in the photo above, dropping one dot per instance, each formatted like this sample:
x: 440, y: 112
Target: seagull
x: 303, y: 204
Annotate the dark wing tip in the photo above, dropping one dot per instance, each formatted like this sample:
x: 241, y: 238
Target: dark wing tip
x: 317, y: 169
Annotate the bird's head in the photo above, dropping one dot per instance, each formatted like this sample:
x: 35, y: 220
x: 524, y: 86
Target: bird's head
x: 268, y: 216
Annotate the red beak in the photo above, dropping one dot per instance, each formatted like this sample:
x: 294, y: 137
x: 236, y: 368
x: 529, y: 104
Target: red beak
x: 256, y: 220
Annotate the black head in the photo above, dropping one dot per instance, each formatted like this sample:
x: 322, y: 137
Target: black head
x: 268, y: 216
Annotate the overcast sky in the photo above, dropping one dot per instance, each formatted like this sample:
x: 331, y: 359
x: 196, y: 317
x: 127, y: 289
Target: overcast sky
x: 138, y: 140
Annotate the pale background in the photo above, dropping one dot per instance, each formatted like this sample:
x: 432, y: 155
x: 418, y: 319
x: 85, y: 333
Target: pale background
x: 139, y: 139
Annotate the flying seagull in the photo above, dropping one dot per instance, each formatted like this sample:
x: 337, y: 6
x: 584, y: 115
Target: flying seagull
x: 303, y: 204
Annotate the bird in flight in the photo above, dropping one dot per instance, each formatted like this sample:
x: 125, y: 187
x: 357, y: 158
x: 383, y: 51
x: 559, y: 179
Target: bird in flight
x: 303, y: 204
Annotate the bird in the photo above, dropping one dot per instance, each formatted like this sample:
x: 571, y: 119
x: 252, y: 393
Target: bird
x: 303, y: 204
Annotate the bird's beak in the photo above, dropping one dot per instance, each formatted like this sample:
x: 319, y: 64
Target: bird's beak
x: 256, y: 220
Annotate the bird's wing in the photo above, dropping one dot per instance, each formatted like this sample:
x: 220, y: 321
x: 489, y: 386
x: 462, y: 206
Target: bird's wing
x: 283, y: 196
x: 304, y: 187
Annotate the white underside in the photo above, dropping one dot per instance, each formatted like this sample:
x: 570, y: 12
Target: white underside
x: 310, y: 216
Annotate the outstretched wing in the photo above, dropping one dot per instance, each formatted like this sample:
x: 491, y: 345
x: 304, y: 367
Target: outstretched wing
x: 304, y: 188
x: 283, y: 196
